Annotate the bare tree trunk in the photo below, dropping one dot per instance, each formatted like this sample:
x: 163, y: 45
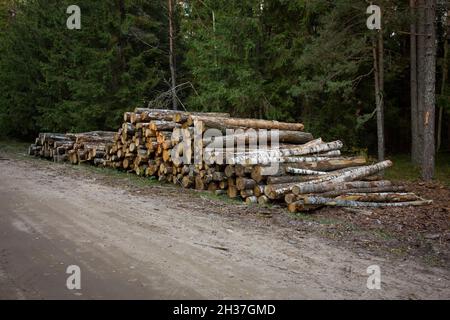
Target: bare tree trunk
x: 378, y: 62
x: 172, y: 58
x: 443, y: 85
x: 430, y: 92
x: 380, y: 113
x: 414, y: 112
x: 418, y: 158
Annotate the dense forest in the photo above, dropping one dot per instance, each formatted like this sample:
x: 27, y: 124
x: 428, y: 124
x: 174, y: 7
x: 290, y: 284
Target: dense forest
x: 314, y: 62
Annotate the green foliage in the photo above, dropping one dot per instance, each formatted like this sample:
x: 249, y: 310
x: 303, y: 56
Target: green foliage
x: 56, y: 79
x: 223, y: 39
x: 288, y: 60
x: 297, y: 60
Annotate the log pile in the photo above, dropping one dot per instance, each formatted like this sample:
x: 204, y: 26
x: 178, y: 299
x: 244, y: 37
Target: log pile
x: 76, y: 148
x: 232, y: 156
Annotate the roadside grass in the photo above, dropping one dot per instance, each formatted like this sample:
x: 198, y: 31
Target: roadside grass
x: 223, y: 198
x: 403, y: 169
x: 17, y: 148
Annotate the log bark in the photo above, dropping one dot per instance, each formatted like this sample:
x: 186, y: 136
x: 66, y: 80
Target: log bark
x: 278, y: 191
x: 380, y: 197
x: 260, y: 172
x: 349, y: 203
x: 186, y: 117
x: 305, y: 172
x: 226, y: 123
x: 283, y: 136
x: 371, y: 189
x: 289, y: 179
x: 352, y: 175
x: 273, y: 155
x: 162, y: 125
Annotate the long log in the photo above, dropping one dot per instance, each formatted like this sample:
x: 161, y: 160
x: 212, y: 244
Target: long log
x: 256, y: 136
x: 260, y: 172
x: 226, y: 123
x: 348, y: 203
x: 161, y: 125
x: 186, y: 117
x: 379, y: 197
x: 278, y: 191
x: 274, y: 155
x: 355, y: 174
x: 386, y: 188
x: 305, y: 172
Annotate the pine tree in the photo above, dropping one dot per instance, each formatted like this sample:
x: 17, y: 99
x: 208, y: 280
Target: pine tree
x: 56, y: 79
x: 222, y: 38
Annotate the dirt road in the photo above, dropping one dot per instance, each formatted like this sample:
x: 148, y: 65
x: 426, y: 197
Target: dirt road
x: 158, y: 245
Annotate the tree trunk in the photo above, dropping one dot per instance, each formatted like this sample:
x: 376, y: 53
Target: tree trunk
x: 413, y: 80
x: 421, y: 30
x: 172, y: 57
x: 378, y: 63
x: 443, y: 84
x: 428, y: 157
x: 380, y: 113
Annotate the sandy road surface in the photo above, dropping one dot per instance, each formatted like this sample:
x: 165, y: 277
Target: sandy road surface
x: 157, y: 247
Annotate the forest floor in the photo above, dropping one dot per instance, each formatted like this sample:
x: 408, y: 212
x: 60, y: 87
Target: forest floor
x: 136, y: 238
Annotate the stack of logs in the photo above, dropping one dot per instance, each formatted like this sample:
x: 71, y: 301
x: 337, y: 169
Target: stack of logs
x: 77, y: 148
x: 283, y: 164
